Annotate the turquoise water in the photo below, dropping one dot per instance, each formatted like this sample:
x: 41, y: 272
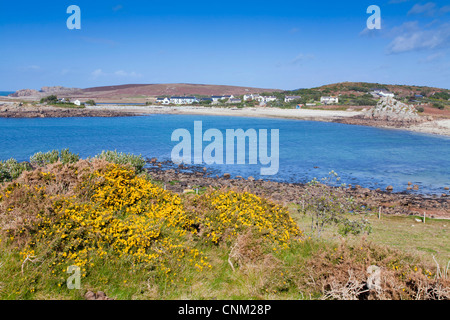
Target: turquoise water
x: 367, y: 156
x: 5, y: 93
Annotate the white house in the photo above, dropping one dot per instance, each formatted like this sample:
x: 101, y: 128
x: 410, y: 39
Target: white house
x: 218, y: 98
x: 329, y: 100
x: 183, y: 100
x: 386, y: 94
x: 265, y: 99
x: 381, y: 93
x: 163, y: 100
x: 77, y: 102
x: 234, y: 100
x: 291, y: 98
x: 251, y: 97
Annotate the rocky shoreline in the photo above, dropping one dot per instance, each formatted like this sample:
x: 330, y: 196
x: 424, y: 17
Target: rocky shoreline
x: 21, y: 111
x: 390, y: 119
x: 361, y: 121
x: 182, y: 178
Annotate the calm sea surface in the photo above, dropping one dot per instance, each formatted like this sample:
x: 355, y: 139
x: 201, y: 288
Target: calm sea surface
x: 367, y: 156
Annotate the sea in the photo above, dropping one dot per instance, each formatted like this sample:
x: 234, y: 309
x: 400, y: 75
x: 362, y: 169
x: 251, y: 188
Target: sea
x: 367, y: 156
x: 5, y: 93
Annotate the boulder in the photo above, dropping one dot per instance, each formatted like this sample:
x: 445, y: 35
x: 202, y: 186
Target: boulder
x: 392, y: 110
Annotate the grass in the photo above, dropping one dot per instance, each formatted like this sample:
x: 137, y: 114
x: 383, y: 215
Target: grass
x: 421, y: 240
x: 67, y: 106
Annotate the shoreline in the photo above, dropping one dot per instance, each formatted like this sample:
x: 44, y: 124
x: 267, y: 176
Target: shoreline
x: 437, y: 127
x: 185, y: 178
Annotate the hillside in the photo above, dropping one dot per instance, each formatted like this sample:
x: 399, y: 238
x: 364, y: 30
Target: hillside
x: 361, y: 88
x: 429, y: 100
x: 139, y: 92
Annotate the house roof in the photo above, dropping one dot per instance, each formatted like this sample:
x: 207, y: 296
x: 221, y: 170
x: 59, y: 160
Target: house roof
x: 182, y: 98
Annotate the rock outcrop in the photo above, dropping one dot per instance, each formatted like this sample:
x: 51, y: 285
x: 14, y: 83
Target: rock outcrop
x: 58, y: 89
x: 29, y: 110
x: 45, y: 91
x: 25, y: 93
x: 392, y: 110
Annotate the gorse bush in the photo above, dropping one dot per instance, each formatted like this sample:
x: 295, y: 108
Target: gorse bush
x: 44, y: 158
x: 137, y: 162
x: 76, y: 214
x: 222, y: 215
x: 133, y: 239
x: 125, y: 216
x: 11, y: 169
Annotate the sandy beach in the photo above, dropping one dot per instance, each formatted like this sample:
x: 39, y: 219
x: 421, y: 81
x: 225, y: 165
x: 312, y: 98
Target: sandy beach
x: 303, y: 114
x: 9, y: 109
x: 436, y: 127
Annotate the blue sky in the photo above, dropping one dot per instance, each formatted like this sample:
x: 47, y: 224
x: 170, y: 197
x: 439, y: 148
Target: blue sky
x: 278, y: 44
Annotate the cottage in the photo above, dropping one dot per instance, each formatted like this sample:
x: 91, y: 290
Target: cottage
x: 218, y: 98
x: 77, y: 102
x: 163, y: 100
x: 386, y: 94
x: 251, y: 97
x: 291, y: 98
x: 381, y: 93
x: 234, y: 100
x: 183, y: 100
x: 329, y: 100
x: 265, y: 99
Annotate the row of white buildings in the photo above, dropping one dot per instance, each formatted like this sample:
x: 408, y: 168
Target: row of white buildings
x: 180, y: 100
x: 215, y: 99
x: 192, y: 99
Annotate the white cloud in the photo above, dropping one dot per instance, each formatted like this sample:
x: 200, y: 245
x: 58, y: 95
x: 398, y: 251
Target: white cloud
x: 410, y: 37
x: 428, y: 9
x: 301, y: 58
x: 433, y: 57
x: 119, y: 73
x: 31, y: 68
x: 98, y: 73
x: 445, y: 9
x: 122, y: 73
